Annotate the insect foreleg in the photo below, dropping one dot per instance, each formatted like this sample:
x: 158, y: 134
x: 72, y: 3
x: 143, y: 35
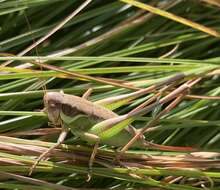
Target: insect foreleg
x: 60, y: 140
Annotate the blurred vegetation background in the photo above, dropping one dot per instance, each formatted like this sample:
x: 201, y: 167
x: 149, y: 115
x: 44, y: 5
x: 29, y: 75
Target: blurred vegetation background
x: 127, y: 45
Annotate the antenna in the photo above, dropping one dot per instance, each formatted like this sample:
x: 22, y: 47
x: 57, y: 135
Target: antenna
x: 42, y: 39
x: 36, y: 51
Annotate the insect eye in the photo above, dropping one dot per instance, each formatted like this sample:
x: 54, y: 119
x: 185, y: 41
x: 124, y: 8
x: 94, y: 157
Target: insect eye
x: 52, y: 105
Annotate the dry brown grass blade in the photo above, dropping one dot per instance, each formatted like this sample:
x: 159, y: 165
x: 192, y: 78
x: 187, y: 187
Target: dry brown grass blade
x: 213, y: 2
x: 86, y: 77
x: 173, y: 17
x: 35, y: 181
x: 55, y: 29
x: 35, y: 132
x: 195, y: 160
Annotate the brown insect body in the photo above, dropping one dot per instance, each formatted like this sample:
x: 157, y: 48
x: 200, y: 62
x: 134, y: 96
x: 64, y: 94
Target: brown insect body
x: 71, y: 106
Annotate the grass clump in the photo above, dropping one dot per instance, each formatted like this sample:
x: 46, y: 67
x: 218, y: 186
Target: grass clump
x: 115, y: 48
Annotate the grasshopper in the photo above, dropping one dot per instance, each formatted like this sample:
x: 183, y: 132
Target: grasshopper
x: 94, y: 123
